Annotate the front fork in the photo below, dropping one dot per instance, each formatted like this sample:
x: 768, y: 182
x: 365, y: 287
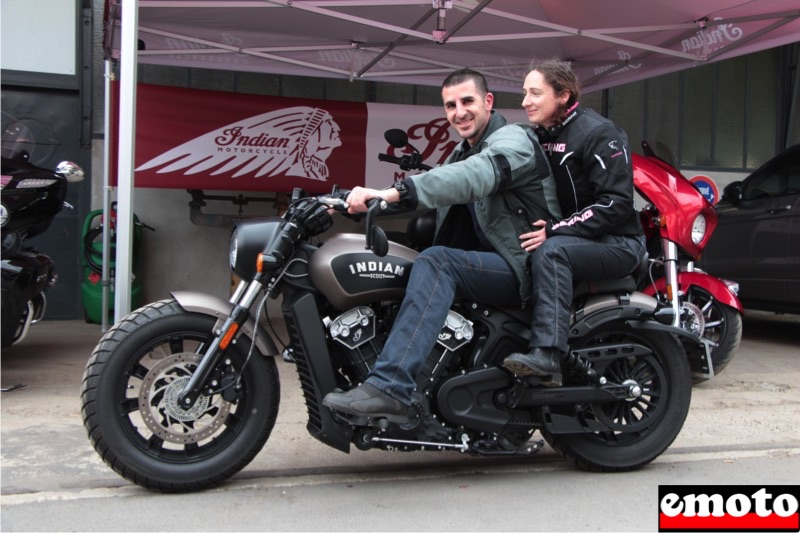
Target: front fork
x: 243, y: 298
x: 671, y: 276
x: 674, y: 296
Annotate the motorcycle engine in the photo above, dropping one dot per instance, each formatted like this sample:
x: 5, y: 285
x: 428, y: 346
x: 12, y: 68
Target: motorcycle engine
x: 360, y: 334
x: 356, y: 330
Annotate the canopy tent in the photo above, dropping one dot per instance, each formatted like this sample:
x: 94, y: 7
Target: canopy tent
x: 419, y: 42
x: 414, y: 41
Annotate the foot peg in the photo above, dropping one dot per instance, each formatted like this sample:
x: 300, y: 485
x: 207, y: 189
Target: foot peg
x: 488, y: 448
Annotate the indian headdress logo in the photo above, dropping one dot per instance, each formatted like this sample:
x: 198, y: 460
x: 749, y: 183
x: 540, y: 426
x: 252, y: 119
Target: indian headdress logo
x: 295, y: 141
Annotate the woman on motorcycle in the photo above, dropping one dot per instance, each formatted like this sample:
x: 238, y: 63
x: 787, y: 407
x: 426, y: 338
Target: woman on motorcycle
x: 600, y: 235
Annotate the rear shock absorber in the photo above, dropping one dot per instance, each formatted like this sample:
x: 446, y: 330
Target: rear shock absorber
x: 584, y: 367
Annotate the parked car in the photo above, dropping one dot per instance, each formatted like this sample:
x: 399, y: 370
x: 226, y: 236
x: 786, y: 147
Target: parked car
x: 757, y: 240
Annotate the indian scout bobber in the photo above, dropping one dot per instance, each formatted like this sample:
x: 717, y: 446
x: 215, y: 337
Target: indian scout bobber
x: 183, y: 393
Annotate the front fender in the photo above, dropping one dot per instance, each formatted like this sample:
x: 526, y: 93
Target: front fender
x: 707, y: 282
x: 206, y: 304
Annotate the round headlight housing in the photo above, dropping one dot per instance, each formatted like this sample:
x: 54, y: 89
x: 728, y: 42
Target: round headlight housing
x: 699, y: 229
x: 234, y: 249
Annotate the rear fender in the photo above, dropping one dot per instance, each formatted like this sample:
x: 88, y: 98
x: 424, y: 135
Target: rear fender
x: 206, y: 304
x: 601, y: 308
x: 642, y: 312
x: 707, y: 282
x: 638, y: 310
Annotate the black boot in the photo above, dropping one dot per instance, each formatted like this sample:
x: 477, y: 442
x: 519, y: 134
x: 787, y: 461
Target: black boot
x: 367, y: 401
x: 543, y: 362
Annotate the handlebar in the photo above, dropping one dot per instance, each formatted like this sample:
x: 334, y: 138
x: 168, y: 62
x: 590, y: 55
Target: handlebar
x: 333, y: 202
x: 406, y: 162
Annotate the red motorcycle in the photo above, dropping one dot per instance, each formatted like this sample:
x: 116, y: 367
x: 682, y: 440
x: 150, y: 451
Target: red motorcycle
x: 678, y: 223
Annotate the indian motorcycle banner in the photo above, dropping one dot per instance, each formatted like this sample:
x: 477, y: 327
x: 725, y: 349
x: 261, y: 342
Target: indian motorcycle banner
x: 209, y: 140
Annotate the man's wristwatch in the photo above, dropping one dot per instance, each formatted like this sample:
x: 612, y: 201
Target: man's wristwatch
x: 401, y: 187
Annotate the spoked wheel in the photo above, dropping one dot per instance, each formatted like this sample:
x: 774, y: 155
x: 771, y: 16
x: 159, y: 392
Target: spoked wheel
x: 653, y: 373
x: 719, y: 323
x: 130, y: 402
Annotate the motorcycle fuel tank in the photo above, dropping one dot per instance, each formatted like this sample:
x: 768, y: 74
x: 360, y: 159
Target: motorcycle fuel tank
x: 349, y: 275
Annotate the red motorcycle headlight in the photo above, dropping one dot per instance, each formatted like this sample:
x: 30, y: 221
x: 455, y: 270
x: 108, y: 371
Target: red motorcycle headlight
x: 699, y: 229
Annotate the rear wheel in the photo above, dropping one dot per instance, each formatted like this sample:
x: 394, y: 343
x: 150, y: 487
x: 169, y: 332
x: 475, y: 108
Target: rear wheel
x: 129, y: 397
x: 630, y: 432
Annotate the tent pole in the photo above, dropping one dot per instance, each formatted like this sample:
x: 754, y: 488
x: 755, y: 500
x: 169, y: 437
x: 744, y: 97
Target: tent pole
x: 127, y: 150
x: 106, y: 282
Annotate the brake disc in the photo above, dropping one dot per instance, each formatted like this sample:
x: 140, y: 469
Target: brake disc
x: 160, y: 409
x: 692, y: 318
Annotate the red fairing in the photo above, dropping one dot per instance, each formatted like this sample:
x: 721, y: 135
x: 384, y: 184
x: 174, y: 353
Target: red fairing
x: 678, y: 201
x: 686, y: 280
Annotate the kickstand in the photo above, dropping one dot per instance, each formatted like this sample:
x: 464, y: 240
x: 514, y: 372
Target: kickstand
x: 13, y: 387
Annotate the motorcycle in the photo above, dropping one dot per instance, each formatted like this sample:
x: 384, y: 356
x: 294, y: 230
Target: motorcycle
x: 183, y: 393
x: 32, y: 196
x: 678, y: 222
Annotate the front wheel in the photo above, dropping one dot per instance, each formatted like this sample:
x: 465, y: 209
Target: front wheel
x: 641, y: 427
x: 129, y: 401
x: 721, y: 326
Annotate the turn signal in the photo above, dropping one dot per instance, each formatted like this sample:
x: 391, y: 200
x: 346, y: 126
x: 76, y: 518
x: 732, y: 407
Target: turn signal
x: 260, y: 263
x: 226, y: 340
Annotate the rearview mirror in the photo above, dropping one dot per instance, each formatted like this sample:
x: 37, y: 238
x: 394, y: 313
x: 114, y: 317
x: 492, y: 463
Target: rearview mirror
x: 733, y: 192
x: 396, y: 137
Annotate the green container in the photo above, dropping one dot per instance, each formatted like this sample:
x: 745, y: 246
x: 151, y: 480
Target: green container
x: 91, y: 283
x: 92, y: 294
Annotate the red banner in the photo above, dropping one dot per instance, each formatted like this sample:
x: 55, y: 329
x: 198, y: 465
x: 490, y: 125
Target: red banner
x: 195, y: 139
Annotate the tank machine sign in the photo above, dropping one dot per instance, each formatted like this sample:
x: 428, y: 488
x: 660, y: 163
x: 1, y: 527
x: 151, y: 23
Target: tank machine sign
x: 196, y: 139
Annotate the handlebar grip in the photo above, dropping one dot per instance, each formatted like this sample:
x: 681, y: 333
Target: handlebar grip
x: 389, y: 158
x: 376, y: 204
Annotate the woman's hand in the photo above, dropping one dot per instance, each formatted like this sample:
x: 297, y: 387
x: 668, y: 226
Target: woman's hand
x: 359, y: 196
x: 532, y: 240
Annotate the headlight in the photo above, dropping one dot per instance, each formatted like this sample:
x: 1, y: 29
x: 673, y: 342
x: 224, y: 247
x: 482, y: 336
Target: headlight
x: 234, y: 249
x: 35, y: 183
x: 249, y: 239
x: 3, y: 215
x: 698, y: 229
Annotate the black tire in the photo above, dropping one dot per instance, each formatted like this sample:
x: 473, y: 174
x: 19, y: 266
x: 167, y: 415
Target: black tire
x: 13, y: 316
x: 128, y: 392
x: 722, y: 326
x: 643, y: 427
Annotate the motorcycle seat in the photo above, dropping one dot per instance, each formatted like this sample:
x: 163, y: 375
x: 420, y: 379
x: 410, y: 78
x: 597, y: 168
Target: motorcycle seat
x: 626, y: 284
x: 618, y: 285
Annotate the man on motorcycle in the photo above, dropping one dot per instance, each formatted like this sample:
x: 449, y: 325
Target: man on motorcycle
x: 600, y: 236
x: 490, y: 189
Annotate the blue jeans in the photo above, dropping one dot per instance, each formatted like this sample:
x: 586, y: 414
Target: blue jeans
x: 560, y: 261
x: 439, y: 275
